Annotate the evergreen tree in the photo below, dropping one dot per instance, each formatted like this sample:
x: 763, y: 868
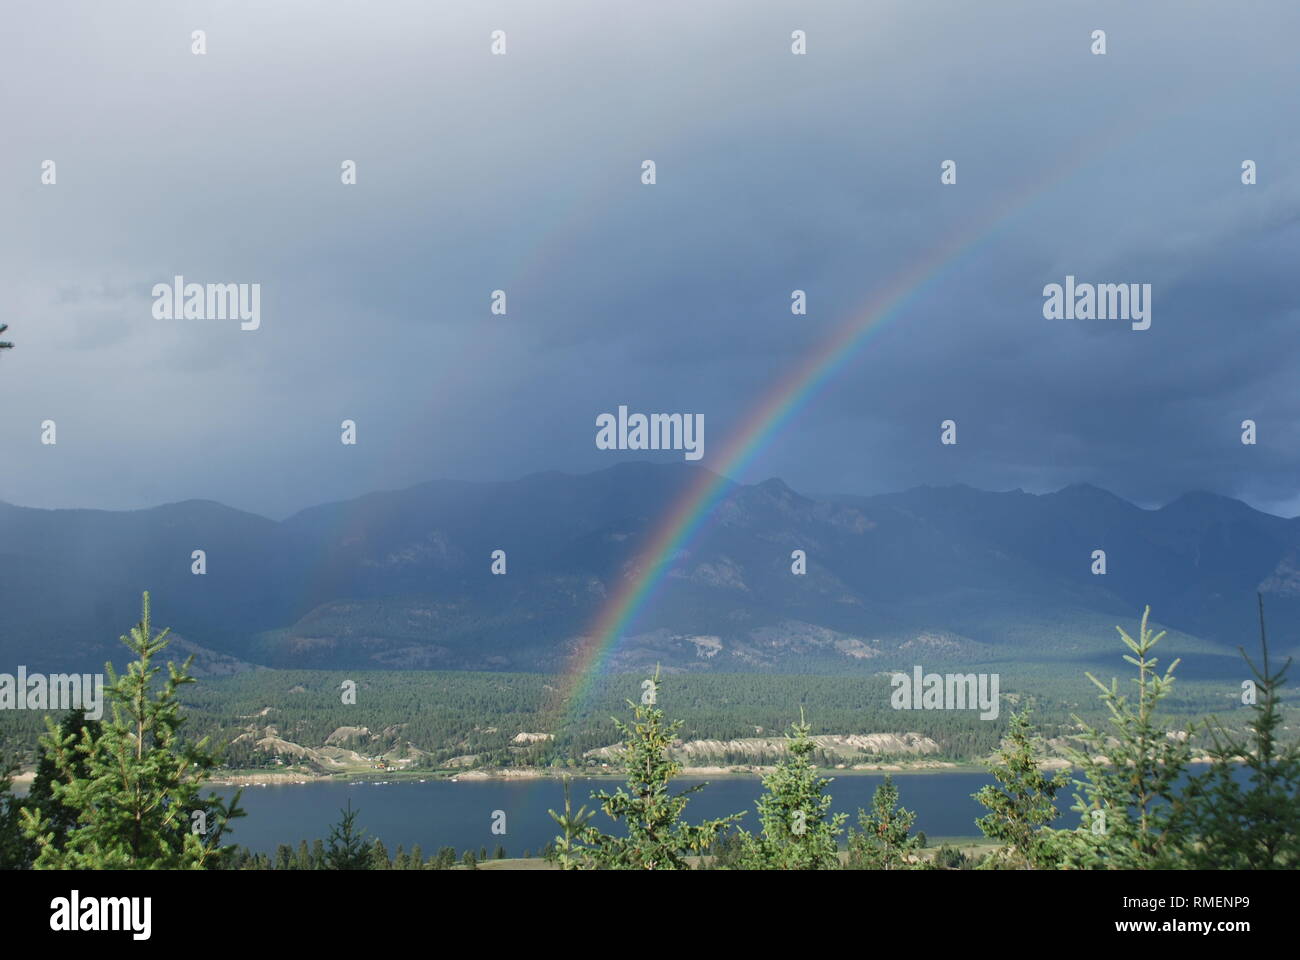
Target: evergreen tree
x: 1132, y: 816
x: 882, y: 841
x: 566, y: 851
x: 950, y: 858
x: 1022, y: 803
x: 318, y: 855
x: 1253, y: 826
x: 417, y: 858
x: 347, y: 850
x: 284, y: 857
x: 499, y: 853
x: 60, y: 818
x: 657, y: 838
x: 727, y: 852
x: 799, y: 833
x: 132, y: 789
x: 16, y: 851
x: 379, y: 856
x: 302, y: 861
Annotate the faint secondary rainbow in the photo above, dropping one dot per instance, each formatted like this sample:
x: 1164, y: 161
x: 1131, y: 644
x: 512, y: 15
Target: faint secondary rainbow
x: 775, y: 409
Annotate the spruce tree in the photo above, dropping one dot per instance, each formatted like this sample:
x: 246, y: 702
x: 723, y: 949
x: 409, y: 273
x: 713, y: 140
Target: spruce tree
x: 882, y: 840
x: 657, y: 838
x: 347, y: 849
x: 16, y: 851
x: 133, y: 790
x: 799, y: 832
x: 949, y: 858
x: 1022, y: 803
x: 1133, y: 817
x: 1256, y: 825
x: 567, y: 851
x: 60, y: 818
x: 727, y: 852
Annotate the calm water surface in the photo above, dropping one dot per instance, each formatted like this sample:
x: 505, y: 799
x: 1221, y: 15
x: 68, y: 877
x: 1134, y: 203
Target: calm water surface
x: 441, y: 813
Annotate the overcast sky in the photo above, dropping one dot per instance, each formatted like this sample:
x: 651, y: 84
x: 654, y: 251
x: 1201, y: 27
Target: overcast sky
x: 522, y: 172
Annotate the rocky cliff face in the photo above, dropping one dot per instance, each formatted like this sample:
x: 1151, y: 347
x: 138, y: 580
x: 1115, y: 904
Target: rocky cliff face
x: 844, y: 748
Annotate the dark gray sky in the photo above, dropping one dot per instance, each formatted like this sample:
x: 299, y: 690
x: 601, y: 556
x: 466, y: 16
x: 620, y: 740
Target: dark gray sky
x: 522, y: 172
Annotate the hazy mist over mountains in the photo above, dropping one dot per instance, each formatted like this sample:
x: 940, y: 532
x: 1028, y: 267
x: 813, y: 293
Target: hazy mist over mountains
x: 401, y: 579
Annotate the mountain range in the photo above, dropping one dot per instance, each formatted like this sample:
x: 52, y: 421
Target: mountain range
x: 402, y: 579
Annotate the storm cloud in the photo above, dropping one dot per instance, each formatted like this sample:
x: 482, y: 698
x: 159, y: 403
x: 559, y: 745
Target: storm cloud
x: 522, y: 173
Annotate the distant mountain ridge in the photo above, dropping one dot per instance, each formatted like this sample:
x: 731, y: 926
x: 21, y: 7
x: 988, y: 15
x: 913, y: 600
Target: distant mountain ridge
x: 402, y: 579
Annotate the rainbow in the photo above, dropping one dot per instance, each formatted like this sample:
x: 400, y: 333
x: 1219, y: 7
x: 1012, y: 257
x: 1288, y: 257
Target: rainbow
x: 778, y: 407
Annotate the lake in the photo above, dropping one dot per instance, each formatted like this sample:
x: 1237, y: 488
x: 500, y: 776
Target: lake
x: 440, y: 813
